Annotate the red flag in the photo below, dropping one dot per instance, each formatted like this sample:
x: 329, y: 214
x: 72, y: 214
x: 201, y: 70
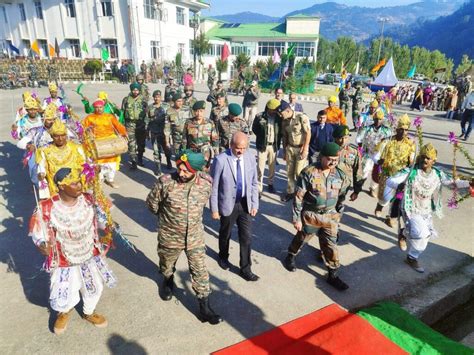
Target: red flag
x: 225, y: 52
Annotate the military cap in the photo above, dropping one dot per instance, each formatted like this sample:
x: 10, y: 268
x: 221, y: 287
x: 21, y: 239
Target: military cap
x: 193, y: 161
x: 134, y: 86
x: 330, y: 150
x: 220, y: 94
x: 283, y: 106
x: 235, y: 109
x: 199, y: 105
x: 156, y: 92
x: 140, y: 77
x: 177, y: 95
x: 340, y: 131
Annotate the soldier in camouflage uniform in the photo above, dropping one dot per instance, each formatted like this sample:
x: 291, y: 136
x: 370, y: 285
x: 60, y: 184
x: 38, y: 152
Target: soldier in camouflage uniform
x: 296, y: 134
x: 212, y: 97
x: 227, y: 126
x: 220, y: 110
x: 345, y: 98
x: 33, y: 69
x: 158, y: 129
x: 134, y: 111
x: 143, y: 88
x: 177, y: 116
x: 53, y: 72
x: 319, y: 191
x: 179, y: 200
x: 170, y: 90
x: 211, y: 77
x: 199, y: 134
x: 189, y: 99
x: 357, y: 101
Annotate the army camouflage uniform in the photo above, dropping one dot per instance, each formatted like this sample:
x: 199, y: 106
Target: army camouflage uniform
x: 211, y: 77
x: 350, y: 162
x: 344, y: 101
x: 170, y: 90
x: 201, y: 137
x: 159, y: 129
x: 316, y: 205
x: 134, y: 111
x: 177, y: 119
x: 145, y: 92
x: 357, y: 101
x: 212, y: 97
x: 179, y: 207
x: 219, y: 112
x: 33, y: 69
x: 294, y: 132
x: 226, y: 128
x: 53, y: 73
x: 188, y: 102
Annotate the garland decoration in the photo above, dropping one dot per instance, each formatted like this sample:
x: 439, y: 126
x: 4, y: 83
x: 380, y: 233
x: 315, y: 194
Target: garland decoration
x: 456, y: 198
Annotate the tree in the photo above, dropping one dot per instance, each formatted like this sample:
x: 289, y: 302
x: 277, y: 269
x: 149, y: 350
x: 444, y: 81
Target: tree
x: 242, y: 60
x: 464, y: 66
x: 201, y: 46
x: 221, y: 66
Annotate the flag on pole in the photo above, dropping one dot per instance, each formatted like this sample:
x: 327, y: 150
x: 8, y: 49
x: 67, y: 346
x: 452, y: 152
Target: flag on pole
x: 105, y: 54
x: 357, y: 68
x: 13, y: 48
x: 35, y: 47
x: 225, y: 52
x: 84, y: 47
x: 52, y: 51
x: 276, y: 57
x: 412, y: 71
x: 56, y: 46
x: 378, y: 66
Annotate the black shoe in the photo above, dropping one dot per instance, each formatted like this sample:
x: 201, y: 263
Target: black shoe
x: 223, y: 263
x: 133, y: 165
x: 337, y: 283
x: 259, y: 195
x: 168, y: 286
x: 248, y: 276
x: 140, y: 160
x: 206, y: 314
x: 168, y: 164
x: 271, y: 189
x: 157, y: 170
x: 290, y: 263
x: 286, y: 198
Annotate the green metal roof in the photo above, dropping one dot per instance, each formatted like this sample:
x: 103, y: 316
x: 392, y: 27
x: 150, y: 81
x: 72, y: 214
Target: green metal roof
x: 255, y: 30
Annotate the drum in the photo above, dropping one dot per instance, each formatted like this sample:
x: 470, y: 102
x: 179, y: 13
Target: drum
x: 110, y: 147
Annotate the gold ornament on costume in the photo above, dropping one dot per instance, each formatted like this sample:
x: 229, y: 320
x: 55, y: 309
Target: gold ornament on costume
x: 58, y: 128
x: 374, y: 104
x: 102, y: 95
x: 26, y: 95
x: 50, y: 112
x: 380, y: 93
x: 428, y: 150
x: 379, y: 114
x: 30, y: 103
x: 53, y: 87
x: 73, y: 177
x: 404, y: 122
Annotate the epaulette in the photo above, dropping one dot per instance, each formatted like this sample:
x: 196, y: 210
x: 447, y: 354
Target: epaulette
x: 204, y: 176
x: 165, y: 179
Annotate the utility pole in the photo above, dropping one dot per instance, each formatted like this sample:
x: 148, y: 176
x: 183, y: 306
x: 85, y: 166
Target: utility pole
x: 196, y: 23
x: 383, y: 20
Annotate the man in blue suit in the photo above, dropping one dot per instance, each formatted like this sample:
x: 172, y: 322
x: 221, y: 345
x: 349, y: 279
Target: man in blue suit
x: 295, y: 106
x: 321, y: 133
x: 234, y: 199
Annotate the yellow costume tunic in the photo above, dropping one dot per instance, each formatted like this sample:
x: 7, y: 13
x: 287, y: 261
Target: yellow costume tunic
x: 52, y: 158
x: 104, y: 126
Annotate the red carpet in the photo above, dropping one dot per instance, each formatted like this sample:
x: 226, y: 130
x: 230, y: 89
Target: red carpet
x: 330, y: 330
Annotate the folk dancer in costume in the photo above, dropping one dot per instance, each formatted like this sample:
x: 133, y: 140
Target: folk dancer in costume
x: 421, y: 197
x: 316, y: 207
x: 368, y: 138
x: 21, y: 111
x: 31, y: 120
x: 158, y: 130
x: 62, y: 153
x: 105, y: 125
x: 229, y: 125
x: 393, y: 155
x: 335, y: 116
x: 64, y: 229
x: 384, y: 102
x: 54, y: 98
x: 109, y: 106
x: 177, y: 116
x: 366, y: 119
x: 200, y: 135
x: 178, y: 200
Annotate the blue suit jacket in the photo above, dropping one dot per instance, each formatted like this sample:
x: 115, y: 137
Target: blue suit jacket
x: 298, y: 107
x: 224, y: 185
x: 320, y: 137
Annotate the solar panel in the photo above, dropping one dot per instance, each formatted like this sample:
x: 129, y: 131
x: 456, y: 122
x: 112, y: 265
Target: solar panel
x: 235, y: 25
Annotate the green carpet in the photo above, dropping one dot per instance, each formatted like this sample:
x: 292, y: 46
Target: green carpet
x: 409, y: 333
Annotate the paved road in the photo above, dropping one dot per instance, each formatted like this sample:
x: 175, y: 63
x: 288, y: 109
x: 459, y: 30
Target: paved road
x: 140, y: 322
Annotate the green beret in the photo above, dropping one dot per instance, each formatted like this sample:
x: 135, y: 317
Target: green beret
x: 341, y: 131
x: 235, y: 109
x: 134, y: 86
x: 330, y: 150
x: 156, y: 92
x: 220, y: 94
x: 199, y: 105
x: 177, y: 95
x: 193, y: 161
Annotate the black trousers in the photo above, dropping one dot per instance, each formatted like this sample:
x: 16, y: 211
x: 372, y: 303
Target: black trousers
x: 240, y: 214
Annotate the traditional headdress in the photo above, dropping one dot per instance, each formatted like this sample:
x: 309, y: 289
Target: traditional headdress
x: 332, y: 99
x: 404, y: 122
x: 50, y: 112
x: 67, y: 176
x: 52, y: 87
x: 102, y: 95
x: 374, y: 104
x: 58, y: 128
x: 380, y: 93
x: 26, y: 95
x: 193, y: 161
x: 98, y: 102
x: 379, y: 114
x: 30, y: 103
x: 428, y: 150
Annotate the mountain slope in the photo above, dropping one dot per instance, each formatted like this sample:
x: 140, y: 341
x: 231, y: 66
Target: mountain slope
x: 246, y: 17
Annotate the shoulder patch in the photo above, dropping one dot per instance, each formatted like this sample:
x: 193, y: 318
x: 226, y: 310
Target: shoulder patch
x: 204, y: 177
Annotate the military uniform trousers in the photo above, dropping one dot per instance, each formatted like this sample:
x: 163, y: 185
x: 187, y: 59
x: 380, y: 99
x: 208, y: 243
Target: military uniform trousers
x: 294, y: 165
x: 197, y: 267
x: 344, y: 106
x: 136, y: 132
x: 326, y: 226
x: 159, y: 144
x: 249, y: 114
x: 269, y: 155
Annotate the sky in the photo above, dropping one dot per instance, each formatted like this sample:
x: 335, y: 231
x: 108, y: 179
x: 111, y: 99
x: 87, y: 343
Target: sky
x: 279, y: 8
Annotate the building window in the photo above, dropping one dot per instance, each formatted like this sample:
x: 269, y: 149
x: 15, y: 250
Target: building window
x: 70, y: 8
x: 149, y: 9
x: 5, y: 18
x: 303, y: 49
x: 216, y: 49
x: 107, y: 9
x: 155, y: 49
x: 267, y: 49
x: 75, y: 48
x: 181, y: 48
x: 238, y: 48
x: 179, y: 15
x: 191, y: 48
x: 27, y: 45
x: 21, y: 7
x: 193, y: 18
x: 39, y: 10
x: 111, y: 46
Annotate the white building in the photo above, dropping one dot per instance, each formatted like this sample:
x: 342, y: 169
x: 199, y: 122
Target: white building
x: 128, y: 29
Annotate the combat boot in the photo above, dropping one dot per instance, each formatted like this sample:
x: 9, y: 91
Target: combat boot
x: 157, y: 170
x: 140, y: 159
x: 206, y: 314
x: 133, y: 165
x: 290, y: 262
x: 168, y: 163
x: 168, y: 286
x: 335, y: 281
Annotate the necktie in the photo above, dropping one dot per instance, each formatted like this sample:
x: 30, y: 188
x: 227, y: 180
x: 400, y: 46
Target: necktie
x: 238, y: 195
